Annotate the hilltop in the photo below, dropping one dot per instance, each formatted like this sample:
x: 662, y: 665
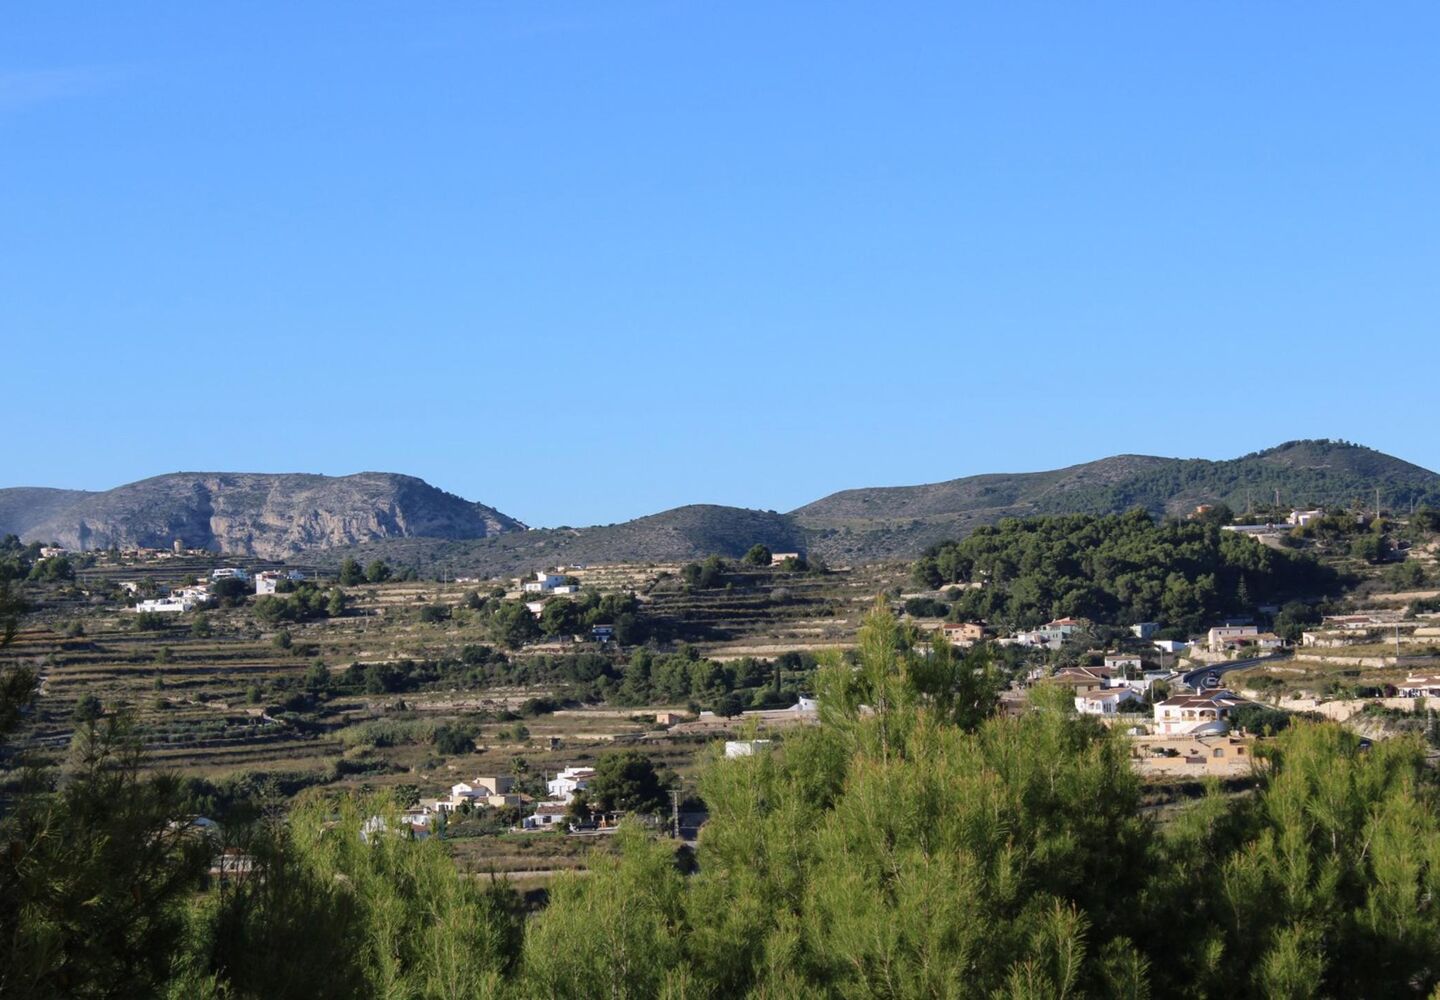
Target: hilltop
x: 888, y: 522
x: 258, y: 514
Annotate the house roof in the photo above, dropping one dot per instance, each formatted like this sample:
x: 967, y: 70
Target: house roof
x: 1085, y: 673
x: 1108, y: 694
x: 1211, y: 700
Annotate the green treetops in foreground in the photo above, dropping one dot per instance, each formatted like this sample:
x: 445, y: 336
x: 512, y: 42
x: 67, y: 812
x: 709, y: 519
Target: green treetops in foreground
x: 912, y: 845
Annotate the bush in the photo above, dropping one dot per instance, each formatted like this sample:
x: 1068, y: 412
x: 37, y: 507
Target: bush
x: 926, y: 607
x: 453, y: 740
x: 538, y: 706
x: 87, y: 709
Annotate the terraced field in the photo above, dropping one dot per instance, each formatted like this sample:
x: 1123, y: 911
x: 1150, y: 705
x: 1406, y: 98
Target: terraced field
x: 222, y: 696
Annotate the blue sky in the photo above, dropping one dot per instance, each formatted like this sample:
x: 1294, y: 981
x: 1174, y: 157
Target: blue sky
x: 587, y: 261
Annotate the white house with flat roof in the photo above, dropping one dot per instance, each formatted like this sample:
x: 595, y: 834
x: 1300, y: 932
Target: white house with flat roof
x: 569, y: 781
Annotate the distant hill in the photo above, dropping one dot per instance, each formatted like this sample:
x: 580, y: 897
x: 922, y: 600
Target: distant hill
x: 889, y: 522
x: 413, y: 523
x: 23, y: 507
x: 269, y: 515
x: 679, y: 535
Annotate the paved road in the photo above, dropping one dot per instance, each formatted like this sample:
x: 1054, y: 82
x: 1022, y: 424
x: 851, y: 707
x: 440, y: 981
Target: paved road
x: 1192, y: 678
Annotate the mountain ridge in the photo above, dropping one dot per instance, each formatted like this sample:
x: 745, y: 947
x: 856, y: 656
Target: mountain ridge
x: 278, y: 515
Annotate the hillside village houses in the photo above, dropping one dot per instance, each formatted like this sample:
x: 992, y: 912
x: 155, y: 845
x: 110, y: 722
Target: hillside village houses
x: 486, y: 791
x: 562, y: 790
x: 495, y: 791
x: 1223, y: 638
x: 177, y: 601
x: 1124, y: 664
x: 1051, y: 635
x: 545, y: 816
x: 1421, y: 686
x: 546, y: 582
x: 269, y: 581
x: 1216, y: 637
x: 230, y: 573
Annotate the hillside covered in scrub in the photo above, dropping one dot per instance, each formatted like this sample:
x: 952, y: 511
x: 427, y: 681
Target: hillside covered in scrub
x: 1119, y: 569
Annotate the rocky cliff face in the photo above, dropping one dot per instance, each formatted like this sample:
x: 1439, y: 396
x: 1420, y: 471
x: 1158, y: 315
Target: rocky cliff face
x: 273, y: 516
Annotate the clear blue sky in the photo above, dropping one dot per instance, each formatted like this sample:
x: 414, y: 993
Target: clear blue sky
x: 586, y: 261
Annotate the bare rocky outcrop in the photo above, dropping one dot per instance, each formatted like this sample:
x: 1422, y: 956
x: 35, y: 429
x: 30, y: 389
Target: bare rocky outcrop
x: 272, y: 516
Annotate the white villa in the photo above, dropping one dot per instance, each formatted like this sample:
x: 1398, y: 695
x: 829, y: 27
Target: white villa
x: 545, y: 816
x: 1421, y: 686
x: 1105, y: 702
x: 1196, y: 714
x: 569, y: 781
x: 165, y: 605
x: 544, y: 583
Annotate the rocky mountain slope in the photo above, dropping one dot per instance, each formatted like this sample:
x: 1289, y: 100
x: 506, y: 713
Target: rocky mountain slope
x: 273, y: 516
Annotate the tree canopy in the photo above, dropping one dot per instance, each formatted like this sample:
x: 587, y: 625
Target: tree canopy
x: 1116, y: 569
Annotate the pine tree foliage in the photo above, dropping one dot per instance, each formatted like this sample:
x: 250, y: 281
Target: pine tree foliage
x: 915, y: 844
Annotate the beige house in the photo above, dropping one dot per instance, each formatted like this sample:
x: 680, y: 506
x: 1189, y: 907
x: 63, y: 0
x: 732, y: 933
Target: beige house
x: 1221, y: 634
x: 963, y: 633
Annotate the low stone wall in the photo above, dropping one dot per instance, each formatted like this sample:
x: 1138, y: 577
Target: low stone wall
x: 1338, y: 710
x: 1375, y: 662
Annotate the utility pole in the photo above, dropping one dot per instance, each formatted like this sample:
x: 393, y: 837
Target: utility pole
x: 1377, y: 501
x: 675, y: 811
